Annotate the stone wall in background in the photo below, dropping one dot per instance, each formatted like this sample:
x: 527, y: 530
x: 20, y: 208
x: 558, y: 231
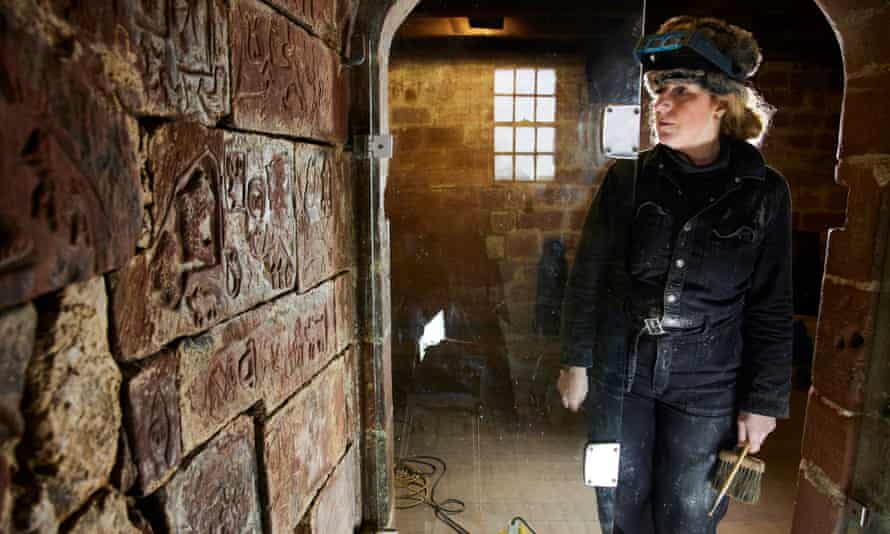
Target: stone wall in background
x: 469, y: 245
x: 177, y: 268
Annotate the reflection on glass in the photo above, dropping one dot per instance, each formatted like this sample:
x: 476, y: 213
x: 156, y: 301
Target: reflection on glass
x: 525, y: 139
x: 525, y: 109
x: 484, y: 226
x: 546, y: 109
x: 503, y: 167
x: 525, y: 81
x: 503, y: 109
x: 433, y: 333
x: 525, y: 168
x: 503, y: 81
x: 503, y: 139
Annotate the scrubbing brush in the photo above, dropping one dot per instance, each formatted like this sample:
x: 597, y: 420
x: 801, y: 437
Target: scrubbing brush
x: 738, y: 476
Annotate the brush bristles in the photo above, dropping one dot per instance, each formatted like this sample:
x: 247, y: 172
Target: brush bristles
x: 745, y: 487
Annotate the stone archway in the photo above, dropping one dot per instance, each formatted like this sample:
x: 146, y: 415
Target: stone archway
x: 849, y: 382
x: 846, y: 444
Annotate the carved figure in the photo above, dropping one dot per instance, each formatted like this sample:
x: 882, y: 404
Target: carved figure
x: 234, y: 273
x: 180, y: 55
x: 197, y: 220
x: 203, y: 303
x: 189, y: 238
x: 223, y: 508
x: 236, y: 170
x: 219, y: 388
x: 318, y: 188
x: 159, y: 436
x: 248, y: 368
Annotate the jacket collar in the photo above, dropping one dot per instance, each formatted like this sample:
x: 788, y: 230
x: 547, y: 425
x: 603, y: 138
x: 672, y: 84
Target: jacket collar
x: 745, y: 160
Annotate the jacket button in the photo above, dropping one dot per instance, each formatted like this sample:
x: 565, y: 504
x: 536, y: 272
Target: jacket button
x: 680, y: 263
x: 687, y: 227
x: 738, y: 180
x: 671, y: 299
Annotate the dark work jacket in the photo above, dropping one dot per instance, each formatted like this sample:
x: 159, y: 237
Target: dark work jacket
x: 729, y: 298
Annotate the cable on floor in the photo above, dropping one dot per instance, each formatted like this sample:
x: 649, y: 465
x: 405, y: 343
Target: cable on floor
x: 416, y: 480
x: 518, y: 519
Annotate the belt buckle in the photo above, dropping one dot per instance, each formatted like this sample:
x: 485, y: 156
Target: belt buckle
x: 653, y: 326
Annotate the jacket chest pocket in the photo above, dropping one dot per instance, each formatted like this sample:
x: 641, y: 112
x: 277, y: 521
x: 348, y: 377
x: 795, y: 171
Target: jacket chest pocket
x: 732, y: 251
x: 650, y: 253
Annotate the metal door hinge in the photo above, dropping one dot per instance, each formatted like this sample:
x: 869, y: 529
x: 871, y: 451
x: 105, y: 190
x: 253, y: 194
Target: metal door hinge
x: 373, y: 146
x: 858, y: 512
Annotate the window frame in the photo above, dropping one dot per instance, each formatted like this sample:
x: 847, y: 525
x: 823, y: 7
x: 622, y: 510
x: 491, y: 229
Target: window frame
x: 517, y: 130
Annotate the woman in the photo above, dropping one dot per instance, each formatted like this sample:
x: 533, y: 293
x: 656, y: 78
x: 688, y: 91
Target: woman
x: 680, y: 326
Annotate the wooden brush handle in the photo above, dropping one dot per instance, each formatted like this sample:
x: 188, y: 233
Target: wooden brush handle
x: 725, y: 487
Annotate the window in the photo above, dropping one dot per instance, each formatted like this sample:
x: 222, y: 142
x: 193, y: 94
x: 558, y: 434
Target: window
x: 524, y: 130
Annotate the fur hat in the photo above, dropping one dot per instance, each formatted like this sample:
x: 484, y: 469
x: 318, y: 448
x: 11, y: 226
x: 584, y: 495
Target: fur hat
x: 735, y: 43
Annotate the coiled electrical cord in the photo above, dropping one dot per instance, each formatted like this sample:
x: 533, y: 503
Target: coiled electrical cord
x: 416, y: 480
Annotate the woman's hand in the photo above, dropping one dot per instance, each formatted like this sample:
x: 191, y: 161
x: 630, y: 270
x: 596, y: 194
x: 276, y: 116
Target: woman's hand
x: 754, y: 429
x: 572, y: 386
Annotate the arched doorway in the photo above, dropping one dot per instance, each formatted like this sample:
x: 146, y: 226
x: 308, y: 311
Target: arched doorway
x: 868, y: 191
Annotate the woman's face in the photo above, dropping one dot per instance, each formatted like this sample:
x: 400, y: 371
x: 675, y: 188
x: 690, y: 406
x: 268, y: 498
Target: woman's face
x: 686, y: 116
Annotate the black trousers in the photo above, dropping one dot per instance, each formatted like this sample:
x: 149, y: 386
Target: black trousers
x: 672, y: 430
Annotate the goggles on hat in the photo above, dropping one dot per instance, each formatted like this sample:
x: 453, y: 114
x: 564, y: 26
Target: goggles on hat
x: 684, y: 50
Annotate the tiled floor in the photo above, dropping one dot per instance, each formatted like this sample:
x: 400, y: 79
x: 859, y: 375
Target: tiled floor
x: 501, y: 467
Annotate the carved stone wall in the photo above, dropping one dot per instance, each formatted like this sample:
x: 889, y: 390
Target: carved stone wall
x: 177, y: 267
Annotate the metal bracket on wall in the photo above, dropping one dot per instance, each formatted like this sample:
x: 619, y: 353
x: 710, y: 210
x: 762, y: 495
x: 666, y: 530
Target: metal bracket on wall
x: 858, y: 513
x: 373, y: 146
x: 353, y: 61
x: 621, y: 131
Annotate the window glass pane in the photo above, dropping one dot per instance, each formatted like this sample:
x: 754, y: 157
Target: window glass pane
x: 546, y: 139
x: 546, y: 109
x: 503, y: 109
x: 503, y: 167
x: 503, y: 139
x: 525, y: 109
x: 525, y: 81
x: 546, y: 82
x: 503, y: 81
x: 525, y: 139
x: 525, y: 168
x: 546, y: 170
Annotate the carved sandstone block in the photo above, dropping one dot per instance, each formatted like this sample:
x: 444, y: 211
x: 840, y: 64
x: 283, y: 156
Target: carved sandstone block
x: 152, y: 422
x: 223, y: 239
x: 345, y: 302
x: 303, y: 443
x: 167, y: 58
x: 324, y: 198
x: 16, y: 346
x: 284, y: 80
x: 217, y: 492
x: 5, y: 497
x: 74, y: 415
x: 267, y: 354
x: 70, y: 199
x: 334, y: 509
x: 329, y: 19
